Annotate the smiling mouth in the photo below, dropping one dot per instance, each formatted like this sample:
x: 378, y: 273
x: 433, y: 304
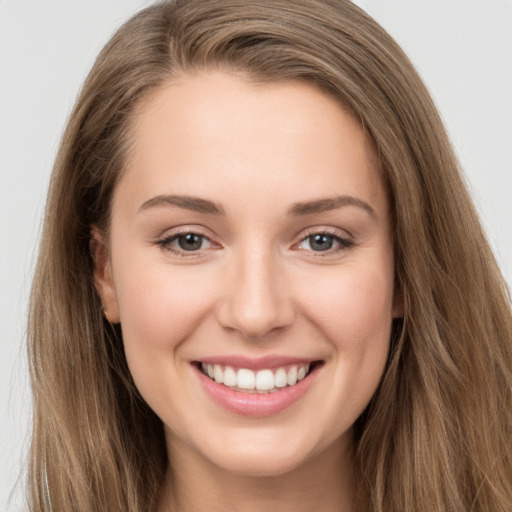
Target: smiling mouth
x: 264, y: 381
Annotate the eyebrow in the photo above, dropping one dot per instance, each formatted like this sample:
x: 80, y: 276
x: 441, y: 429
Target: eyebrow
x: 208, y: 207
x: 323, y: 205
x: 195, y: 204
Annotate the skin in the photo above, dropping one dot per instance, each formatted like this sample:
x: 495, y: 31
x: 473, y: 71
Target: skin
x: 257, y: 286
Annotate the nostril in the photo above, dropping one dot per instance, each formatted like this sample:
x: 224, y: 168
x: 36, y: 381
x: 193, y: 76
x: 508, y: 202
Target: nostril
x: 254, y: 301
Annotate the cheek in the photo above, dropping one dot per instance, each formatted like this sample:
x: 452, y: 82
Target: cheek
x: 352, y: 306
x: 159, y: 308
x: 355, y: 317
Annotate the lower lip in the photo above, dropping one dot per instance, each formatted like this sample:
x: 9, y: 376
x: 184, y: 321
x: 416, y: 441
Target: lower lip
x: 256, y: 404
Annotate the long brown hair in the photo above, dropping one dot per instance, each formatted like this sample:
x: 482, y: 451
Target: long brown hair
x: 438, y: 433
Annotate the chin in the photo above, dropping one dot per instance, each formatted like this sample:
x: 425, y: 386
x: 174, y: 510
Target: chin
x: 262, y: 454
x: 269, y: 464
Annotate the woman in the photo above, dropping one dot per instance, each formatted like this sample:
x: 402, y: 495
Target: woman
x: 262, y: 282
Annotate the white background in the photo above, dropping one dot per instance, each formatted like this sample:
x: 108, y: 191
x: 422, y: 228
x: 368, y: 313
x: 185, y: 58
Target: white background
x: 462, y: 48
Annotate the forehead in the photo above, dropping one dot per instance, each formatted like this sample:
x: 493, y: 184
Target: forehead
x: 209, y: 132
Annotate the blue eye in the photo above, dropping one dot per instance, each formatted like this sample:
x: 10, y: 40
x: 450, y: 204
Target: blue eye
x: 324, y: 242
x: 190, y: 243
x: 321, y: 242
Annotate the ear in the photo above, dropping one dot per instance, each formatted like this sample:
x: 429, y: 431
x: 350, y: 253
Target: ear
x: 103, y: 279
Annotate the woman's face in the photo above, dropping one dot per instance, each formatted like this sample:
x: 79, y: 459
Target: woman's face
x: 251, y: 239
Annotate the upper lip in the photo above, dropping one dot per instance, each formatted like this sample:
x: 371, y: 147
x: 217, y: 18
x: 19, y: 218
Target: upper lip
x: 256, y: 363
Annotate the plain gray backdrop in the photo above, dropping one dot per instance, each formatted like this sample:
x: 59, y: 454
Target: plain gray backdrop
x: 462, y: 48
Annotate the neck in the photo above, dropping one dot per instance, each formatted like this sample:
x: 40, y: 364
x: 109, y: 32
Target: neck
x: 324, y: 482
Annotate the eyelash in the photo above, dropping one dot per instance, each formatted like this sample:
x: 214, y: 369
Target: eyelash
x: 166, y: 242
x: 337, y: 236
x: 344, y: 243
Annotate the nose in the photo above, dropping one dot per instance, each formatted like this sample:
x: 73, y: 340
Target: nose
x: 256, y: 300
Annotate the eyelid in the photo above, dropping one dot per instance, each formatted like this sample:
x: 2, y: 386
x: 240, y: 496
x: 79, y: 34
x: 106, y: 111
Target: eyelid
x: 165, y: 240
x: 344, y: 239
x: 183, y: 229
x: 331, y: 230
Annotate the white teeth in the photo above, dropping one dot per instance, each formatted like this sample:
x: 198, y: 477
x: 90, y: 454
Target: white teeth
x: 292, y: 376
x: 280, y: 378
x: 218, y: 374
x: 263, y: 380
x: 245, y: 379
x: 230, y: 377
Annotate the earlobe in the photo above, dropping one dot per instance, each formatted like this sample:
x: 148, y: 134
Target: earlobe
x: 103, y: 278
